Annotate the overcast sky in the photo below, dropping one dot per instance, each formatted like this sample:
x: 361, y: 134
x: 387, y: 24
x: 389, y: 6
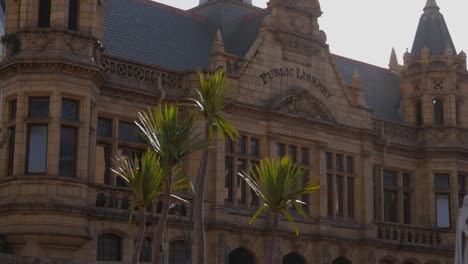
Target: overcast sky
x: 367, y: 30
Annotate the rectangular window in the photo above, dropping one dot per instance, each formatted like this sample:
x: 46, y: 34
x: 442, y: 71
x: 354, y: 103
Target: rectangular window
x: 241, y: 145
x: 461, y: 189
x: 12, y: 110
x: 406, y: 208
x: 292, y: 150
x: 241, y: 167
x: 339, y: 195
x: 104, y: 128
x: 37, y: 149
x: 390, y: 196
x: 70, y: 110
x: 340, y: 174
x: 442, y: 196
x: 67, y: 161
x: 442, y: 182
x: 304, y: 156
x: 329, y: 157
x: 339, y: 162
x: 254, y: 147
x: 44, y: 13
x: 280, y: 150
x: 129, y: 132
x: 330, y: 194
x: 39, y: 107
x: 229, y: 146
x: 11, y: 151
x: 350, y: 197
x: 73, y: 11
x: 349, y: 164
x: 228, y: 177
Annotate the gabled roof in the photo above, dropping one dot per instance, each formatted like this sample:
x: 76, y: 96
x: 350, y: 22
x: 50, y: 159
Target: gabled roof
x: 432, y: 32
x: 381, y: 87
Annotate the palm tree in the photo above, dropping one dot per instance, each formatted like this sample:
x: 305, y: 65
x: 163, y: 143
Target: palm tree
x: 171, y: 136
x: 145, y: 178
x: 278, y: 183
x: 214, y: 93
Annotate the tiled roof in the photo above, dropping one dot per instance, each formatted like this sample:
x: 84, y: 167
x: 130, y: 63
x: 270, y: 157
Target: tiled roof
x: 157, y: 34
x: 381, y: 86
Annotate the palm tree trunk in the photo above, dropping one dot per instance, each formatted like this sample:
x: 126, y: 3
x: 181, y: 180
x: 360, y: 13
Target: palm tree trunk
x: 158, y: 234
x: 199, y: 222
x: 274, y: 235
x: 140, y: 238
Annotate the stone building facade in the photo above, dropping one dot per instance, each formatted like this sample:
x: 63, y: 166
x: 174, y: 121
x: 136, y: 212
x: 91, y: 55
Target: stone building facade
x: 389, y: 145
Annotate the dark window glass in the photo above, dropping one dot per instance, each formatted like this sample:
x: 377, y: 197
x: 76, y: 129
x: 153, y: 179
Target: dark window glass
x: 406, y: 208
x: 376, y: 192
x: 443, y: 210
x: 104, y: 127
x: 44, y: 13
x: 241, y: 167
x: 330, y: 194
x: 12, y: 107
x: 39, y: 107
x: 389, y: 178
x: 349, y: 164
x: 419, y: 117
x: 292, y: 150
x: 229, y: 146
x: 254, y: 147
x: 240, y: 256
x: 339, y: 195
x: 350, y: 197
x: 329, y: 157
x: 241, y: 142
x: 109, y: 248
x: 177, y: 252
x: 280, y: 150
x: 37, y: 149
x: 304, y: 156
x: 406, y: 180
x: 457, y: 112
x: 145, y: 255
x: 228, y: 177
x: 255, y: 198
x: 11, y: 151
x: 390, y: 206
x: 293, y: 258
x: 442, y: 182
x: 438, y: 112
x: 461, y: 189
x: 67, y: 162
x: 73, y: 11
x: 339, y: 162
x: 129, y: 132
x: 70, y: 109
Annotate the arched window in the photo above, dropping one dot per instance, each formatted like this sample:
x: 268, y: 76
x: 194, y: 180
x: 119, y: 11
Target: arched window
x: 241, y: 256
x: 44, y: 13
x: 73, y: 11
x: 438, y: 112
x: 109, y: 248
x: 293, y: 258
x: 177, y: 253
x: 418, y: 112
x: 341, y: 260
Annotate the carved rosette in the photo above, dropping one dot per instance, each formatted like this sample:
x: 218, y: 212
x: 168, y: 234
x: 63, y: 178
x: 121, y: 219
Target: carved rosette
x: 304, y: 106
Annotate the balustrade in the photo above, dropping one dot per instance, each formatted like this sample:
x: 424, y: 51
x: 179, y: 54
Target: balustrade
x: 410, y: 235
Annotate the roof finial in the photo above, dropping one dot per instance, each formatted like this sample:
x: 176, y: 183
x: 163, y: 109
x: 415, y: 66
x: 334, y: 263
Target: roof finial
x: 431, y: 5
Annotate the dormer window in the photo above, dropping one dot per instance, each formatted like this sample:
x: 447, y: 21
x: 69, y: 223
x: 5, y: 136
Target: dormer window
x: 73, y: 11
x: 438, y: 112
x: 44, y: 13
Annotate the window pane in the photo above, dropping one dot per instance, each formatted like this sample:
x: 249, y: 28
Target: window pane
x: 254, y: 147
x: 39, y: 106
x: 73, y: 15
x: 129, y: 132
x: 228, y: 177
x: 70, y: 109
x: 339, y: 195
x: 241, y: 142
x: 390, y: 206
x: 406, y: 208
x: 406, y: 180
x: 280, y: 150
x: 241, y: 167
x: 292, y: 150
x: 461, y: 183
x: 330, y: 194
x: 229, y: 146
x: 145, y: 255
x: 349, y: 164
x: 443, y: 210
x: 389, y: 178
x: 304, y: 156
x: 11, y: 151
x: 103, y: 152
x: 442, y: 182
x: 177, y: 252
x: 339, y: 162
x: 37, y: 149
x: 104, y: 127
x: 67, y: 161
x: 329, y: 157
x: 44, y: 13
x: 350, y: 197
x: 419, y: 117
x: 438, y: 112
x: 109, y: 248
x: 12, y: 111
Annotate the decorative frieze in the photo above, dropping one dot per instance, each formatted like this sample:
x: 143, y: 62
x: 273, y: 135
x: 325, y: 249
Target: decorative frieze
x: 395, y: 131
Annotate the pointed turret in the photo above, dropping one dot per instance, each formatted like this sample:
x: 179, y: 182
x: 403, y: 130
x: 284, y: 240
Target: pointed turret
x: 393, y: 64
x: 357, y: 93
x: 217, y: 52
x: 432, y: 32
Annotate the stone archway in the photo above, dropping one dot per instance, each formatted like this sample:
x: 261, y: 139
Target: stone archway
x: 294, y: 258
x: 241, y: 256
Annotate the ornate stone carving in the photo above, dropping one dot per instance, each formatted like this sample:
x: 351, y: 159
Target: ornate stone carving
x: 304, y: 106
x: 40, y: 40
x: 393, y: 130
x: 76, y: 44
x: 303, y: 45
x: 136, y: 72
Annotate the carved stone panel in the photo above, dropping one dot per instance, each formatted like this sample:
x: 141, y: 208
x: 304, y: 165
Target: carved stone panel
x: 304, y: 106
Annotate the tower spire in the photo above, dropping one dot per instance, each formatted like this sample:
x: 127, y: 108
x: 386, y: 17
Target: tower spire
x: 431, y: 6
